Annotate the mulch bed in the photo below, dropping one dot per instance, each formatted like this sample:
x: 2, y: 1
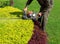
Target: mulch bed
x: 39, y: 36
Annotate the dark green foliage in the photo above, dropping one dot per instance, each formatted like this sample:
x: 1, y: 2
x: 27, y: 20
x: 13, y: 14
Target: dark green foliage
x: 4, y: 3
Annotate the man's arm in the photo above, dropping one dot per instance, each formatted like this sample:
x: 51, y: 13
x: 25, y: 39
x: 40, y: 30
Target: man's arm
x: 28, y: 2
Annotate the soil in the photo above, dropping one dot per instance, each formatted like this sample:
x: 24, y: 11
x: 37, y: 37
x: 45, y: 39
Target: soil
x: 38, y: 36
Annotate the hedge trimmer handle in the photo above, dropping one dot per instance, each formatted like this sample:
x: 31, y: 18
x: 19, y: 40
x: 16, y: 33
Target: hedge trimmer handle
x: 24, y: 15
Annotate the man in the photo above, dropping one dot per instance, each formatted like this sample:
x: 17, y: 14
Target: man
x: 46, y: 6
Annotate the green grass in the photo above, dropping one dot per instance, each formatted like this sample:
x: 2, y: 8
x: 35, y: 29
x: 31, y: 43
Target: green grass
x: 21, y: 4
x: 53, y: 26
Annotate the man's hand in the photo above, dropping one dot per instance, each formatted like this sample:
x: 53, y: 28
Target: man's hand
x: 25, y: 9
x: 40, y: 14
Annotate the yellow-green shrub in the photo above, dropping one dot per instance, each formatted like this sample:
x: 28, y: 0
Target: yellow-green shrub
x: 14, y: 31
x: 10, y: 12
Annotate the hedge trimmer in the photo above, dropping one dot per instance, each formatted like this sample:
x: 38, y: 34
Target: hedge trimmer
x: 30, y: 15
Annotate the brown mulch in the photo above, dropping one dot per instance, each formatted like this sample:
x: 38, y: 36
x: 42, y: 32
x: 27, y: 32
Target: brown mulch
x: 39, y: 36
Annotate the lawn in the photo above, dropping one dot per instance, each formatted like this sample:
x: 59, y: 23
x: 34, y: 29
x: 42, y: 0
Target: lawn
x: 53, y: 25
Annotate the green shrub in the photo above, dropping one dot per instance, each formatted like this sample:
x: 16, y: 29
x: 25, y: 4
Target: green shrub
x: 14, y: 31
x: 4, y: 3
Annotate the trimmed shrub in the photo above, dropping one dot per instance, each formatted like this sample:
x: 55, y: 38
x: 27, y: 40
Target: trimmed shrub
x: 10, y: 12
x: 14, y: 31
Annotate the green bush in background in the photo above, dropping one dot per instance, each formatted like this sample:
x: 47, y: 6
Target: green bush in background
x: 4, y: 3
x: 14, y: 31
